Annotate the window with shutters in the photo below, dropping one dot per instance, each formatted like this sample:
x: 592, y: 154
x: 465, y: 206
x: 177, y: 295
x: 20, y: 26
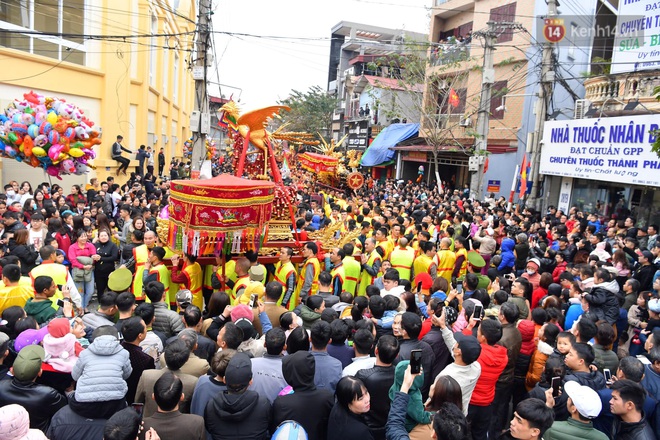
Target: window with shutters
x: 501, y: 14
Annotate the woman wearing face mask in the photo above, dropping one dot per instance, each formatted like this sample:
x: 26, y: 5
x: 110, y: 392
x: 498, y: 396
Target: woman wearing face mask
x: 532, y: 272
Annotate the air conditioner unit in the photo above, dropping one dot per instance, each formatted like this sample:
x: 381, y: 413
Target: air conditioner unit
x: 466, y: 122
x: 349, y: 72
x: 581, y: 108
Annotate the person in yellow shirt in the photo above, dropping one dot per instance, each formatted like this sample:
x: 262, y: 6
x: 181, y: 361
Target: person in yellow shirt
x: 155, y: 270
x: 446, y: 260
x: 13, y: 293
x: 424, y: 262
x: 141, y: 255
x: 352, y: 269
x: 383, y: 243
x: 335, y: 260
x: 286, y: 275
x: 371, y: 262
x: 308, y: 280
x: 460, y: 267
x: 243, y: 272
x: 190, y: 277
x: 402, y: 258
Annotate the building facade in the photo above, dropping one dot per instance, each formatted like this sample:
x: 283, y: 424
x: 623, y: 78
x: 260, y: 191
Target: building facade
x: 370, y: 96
x: 123, y: 62
x: 456, y: 65
x: 613, y: 173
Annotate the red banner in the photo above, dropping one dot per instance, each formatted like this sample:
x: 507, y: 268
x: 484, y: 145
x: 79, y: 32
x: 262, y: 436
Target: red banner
x: 318, y: 163
x: 221, y: 204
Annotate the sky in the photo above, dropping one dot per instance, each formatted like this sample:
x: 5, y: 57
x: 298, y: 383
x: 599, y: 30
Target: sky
x: 264, y: 70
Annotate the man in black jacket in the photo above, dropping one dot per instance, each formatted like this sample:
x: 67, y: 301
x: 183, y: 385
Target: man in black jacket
x: 41, y: 401
x: 626, y: 405
x: 441, y: 355
x: 308, y: 406
x: 411, y: 326
x: 378, y: 381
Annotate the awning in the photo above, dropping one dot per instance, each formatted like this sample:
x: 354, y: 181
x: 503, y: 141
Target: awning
x: 379, y: 150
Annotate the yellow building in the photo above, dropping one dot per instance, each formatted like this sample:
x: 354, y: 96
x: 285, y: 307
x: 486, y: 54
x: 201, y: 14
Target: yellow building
x: 123, y: 62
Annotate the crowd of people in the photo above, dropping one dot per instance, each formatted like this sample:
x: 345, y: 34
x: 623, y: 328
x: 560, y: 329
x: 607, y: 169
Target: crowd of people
x: 443, y: 317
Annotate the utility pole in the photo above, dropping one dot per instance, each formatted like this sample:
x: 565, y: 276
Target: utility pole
x: 200, y: 119
x: 545, y: 93
x: 483, y: 114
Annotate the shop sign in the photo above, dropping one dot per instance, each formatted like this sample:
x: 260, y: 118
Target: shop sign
x: 493, y: 186
x: 607, y: 149
x: 416, y: 156
x: 358, y: 135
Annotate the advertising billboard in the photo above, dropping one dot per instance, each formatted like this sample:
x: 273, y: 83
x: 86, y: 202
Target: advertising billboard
x: 609, y: 149
x: 637, y: 37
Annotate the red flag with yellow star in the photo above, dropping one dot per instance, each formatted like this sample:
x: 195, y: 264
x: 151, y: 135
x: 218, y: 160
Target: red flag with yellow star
x: 454, y: 100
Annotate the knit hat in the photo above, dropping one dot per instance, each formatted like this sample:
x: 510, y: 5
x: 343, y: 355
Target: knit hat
x: 28, y: 363
x: 59, y: 327
x: 30, y: 337
x: 451, y: 315
x: 241, y: 311
x: 534, y: 262
x: 15, y: 424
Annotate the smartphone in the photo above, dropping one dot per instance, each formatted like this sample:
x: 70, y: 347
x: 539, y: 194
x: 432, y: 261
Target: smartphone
x: 59, y: 287
x: 608, y: 375
x: 138, y: 408
x: 60, y: 303
x: 253, y: 300
x: 556, y: 383
x: 415, y: 361
x: 459, y: 287
x: 478, y: 310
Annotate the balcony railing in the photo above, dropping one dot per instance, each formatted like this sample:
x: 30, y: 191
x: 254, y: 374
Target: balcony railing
x: 445, y: 54
x: 623, y: 87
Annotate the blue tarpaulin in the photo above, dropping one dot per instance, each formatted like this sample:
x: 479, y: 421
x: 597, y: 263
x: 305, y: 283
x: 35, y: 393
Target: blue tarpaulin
x: 379, y: 150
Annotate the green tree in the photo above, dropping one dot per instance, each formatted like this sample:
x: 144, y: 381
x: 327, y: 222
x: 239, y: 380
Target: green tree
x: 429, y: 94
x: 311, y: 111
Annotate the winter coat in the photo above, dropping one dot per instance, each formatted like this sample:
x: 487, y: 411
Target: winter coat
x: 101, y: 371
x: 591, y: 379
x: 307, y: 405
x: 508, y: 259
x: 558, y: 270
x: 308, y: 316
x: 605, y: 358
x: 415, y: 412
x: 109, y: 253
x: 61, y: 352
x: 512, y: 341
x: 167, y: 321
x: 16, y: 424
x: 537, y: 363
x: 238, y: 416
x: 26, y: 254
x: 632, y: 431
x: 527, y: 348
x: 603, y: 302
x: 493, y: 360
x: 41, y: 401
x: 345, y: 425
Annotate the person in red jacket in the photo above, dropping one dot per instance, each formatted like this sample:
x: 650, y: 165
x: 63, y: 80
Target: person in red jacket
x: 560, y: 267
x: 493, y: 359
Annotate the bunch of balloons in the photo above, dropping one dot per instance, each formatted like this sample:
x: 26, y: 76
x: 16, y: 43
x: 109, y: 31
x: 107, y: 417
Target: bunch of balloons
x: 48, y: 133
